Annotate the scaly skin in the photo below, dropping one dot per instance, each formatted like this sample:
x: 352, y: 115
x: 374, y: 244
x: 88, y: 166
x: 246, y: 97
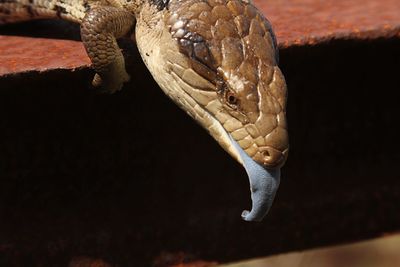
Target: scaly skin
x: 217, y: 59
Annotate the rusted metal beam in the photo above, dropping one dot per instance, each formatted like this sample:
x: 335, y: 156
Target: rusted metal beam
x: 309, y: 22
x: 90, y: 175
x: 296, y: 22
x: 86, y: 176
x: 23, y: 54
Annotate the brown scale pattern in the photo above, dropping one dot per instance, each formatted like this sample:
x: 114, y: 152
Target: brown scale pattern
x: 102, y: 47
x: 226, y: 38
x: 99, y: 30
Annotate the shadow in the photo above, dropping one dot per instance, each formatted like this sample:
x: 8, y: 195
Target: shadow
x: 54, y: 29
x: 128, y: 176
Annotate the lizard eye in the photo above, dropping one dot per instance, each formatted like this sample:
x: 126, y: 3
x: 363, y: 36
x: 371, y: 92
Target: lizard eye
x: 231, y: 99
x: 227, y: 95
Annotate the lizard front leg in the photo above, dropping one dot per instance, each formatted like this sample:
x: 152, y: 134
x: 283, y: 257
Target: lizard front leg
x: 100, y: 28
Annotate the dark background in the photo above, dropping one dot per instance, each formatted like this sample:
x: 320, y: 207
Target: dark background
x: 128, y: 177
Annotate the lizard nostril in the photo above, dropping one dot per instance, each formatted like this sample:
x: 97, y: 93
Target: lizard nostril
x: 266, y: 154
x: 271, y: 157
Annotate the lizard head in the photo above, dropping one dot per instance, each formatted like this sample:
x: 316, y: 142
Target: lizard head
x: 219, y: 63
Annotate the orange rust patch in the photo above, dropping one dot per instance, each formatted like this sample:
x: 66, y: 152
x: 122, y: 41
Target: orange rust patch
x: 307, y: 22
x: 88, y: 262
x: 21, y: 54
x: 296, y: 23
x: 196, y: 264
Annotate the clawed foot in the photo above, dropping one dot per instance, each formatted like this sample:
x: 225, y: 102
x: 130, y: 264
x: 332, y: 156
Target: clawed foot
x: 112, y: 77
x: 100, y: 28
x: 110, y: 84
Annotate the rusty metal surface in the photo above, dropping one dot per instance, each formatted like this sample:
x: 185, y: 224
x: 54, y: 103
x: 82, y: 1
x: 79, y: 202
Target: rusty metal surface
x: 302, y: 22
x: 79, y: 180
x: 21, y: 54
x: 87, y: 175
x: 296, y: 22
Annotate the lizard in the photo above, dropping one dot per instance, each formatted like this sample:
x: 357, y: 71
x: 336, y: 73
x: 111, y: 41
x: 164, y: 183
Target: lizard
x: 216, y: 59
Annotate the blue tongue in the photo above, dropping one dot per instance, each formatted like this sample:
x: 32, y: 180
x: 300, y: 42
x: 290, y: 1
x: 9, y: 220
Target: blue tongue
x: 263, y: 185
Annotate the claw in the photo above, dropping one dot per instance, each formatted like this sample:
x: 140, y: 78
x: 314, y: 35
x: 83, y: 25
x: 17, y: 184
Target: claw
x: 112, y: 84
